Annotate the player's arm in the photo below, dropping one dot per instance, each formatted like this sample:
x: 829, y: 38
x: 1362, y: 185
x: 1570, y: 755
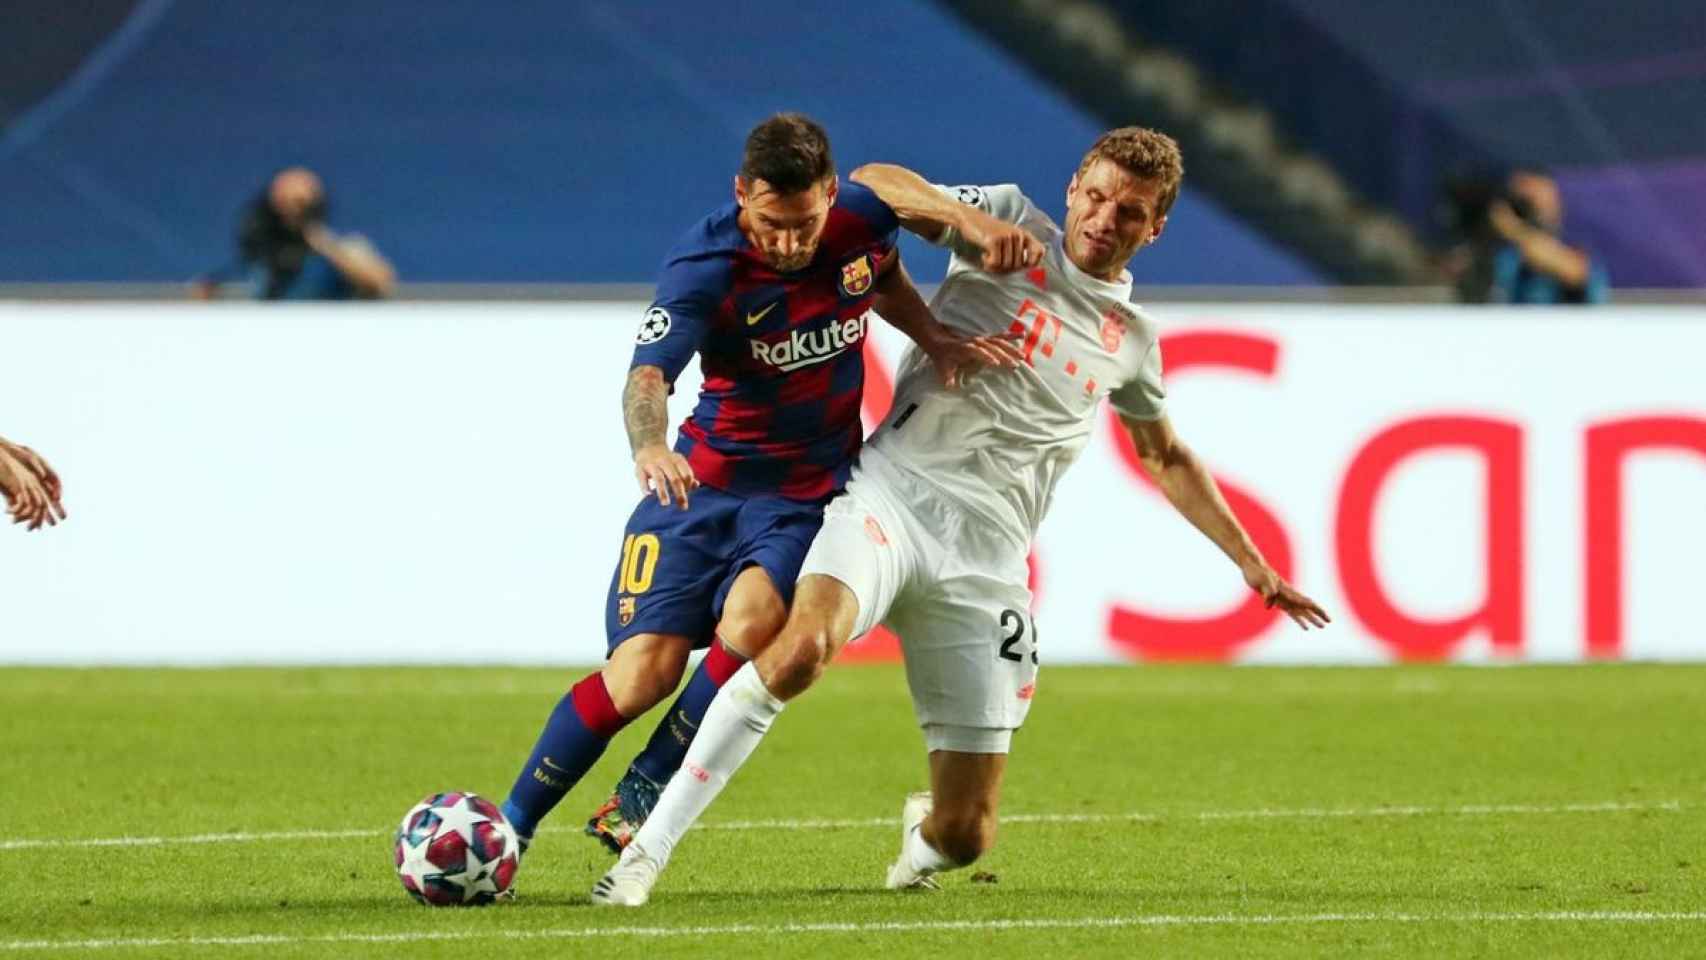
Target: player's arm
x: 1188, y: 486
x: 30, y: 487
x: 360, y: 263
x: 645, y: 416
x: 672, y: 331
x: 932, y: 215
x: 954, y: 357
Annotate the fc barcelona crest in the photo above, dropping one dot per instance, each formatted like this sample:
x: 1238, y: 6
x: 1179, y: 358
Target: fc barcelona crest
x: 624, y: 611
x: 1113, y: 331
x: 856, y: 277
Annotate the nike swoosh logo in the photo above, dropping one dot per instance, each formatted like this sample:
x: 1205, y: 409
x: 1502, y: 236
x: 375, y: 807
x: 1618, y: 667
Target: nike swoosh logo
x: 548, y: 763
x: 752, y: 318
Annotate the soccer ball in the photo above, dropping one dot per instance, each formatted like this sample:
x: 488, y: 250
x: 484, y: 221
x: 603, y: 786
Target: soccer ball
x: 456, y: 849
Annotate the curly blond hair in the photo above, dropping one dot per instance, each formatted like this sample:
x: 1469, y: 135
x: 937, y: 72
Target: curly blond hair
x: 1145, y: 153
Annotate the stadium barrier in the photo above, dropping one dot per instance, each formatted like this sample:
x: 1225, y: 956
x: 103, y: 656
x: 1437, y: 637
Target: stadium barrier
x: 426, y: 483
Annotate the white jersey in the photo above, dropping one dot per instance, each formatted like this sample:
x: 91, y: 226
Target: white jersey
x: 1000, y: 442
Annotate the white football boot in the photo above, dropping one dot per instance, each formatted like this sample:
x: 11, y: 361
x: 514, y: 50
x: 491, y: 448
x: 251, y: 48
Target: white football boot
x: 630, y: 882
x: 901, y: 875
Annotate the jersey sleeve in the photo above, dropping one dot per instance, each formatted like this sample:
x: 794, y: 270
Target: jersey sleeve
x: 1003, y: 202
x: 1143, y: 397
x: 675, y: 325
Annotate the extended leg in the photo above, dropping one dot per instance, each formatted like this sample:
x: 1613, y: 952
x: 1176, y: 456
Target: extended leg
x: 753, y: 615
x: 641, y: 672
x: 955, y: 823
x: 820, y: 624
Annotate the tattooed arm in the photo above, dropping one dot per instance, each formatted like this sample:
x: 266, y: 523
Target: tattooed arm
x: 645, y: 414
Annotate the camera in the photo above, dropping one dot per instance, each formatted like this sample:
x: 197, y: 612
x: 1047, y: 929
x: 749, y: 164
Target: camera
x: 1466, y: 202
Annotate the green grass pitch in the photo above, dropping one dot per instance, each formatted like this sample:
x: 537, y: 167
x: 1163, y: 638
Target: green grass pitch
x: 1169, y: 811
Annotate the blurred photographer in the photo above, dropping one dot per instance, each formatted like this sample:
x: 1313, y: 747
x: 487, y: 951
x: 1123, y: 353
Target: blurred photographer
x: 286, y: 252
x: 1512, y: 250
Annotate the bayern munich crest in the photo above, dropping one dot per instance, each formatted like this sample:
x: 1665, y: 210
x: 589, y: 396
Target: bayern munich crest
x: 1113, y: 331
x: 654, y: 327
x: 856, y: 276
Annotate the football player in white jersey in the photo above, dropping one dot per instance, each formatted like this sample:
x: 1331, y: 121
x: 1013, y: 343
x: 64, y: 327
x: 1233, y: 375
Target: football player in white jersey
x: 932, y: 532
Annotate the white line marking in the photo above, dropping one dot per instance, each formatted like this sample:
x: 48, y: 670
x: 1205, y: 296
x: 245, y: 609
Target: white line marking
x: 1307, y: 813
x: 192, y: 838
x: 749, y: 929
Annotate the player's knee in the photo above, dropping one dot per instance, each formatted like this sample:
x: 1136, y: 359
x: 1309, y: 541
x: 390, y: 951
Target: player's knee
x: 636, y: 693
x: 964, y: 837
x: 641, y: 674
x: 749, y: 628
x: 804, y: 654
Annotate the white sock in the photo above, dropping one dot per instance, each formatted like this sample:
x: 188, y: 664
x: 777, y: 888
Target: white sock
x: 921, y: 856
x: 737, y: 719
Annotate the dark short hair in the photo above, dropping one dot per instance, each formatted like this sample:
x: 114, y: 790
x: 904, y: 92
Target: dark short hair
x: 789, y: 151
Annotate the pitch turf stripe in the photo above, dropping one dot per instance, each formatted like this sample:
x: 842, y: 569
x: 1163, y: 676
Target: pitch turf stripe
x: 1483, y: 809
x: 922, y: 926
x: 1308, y: 813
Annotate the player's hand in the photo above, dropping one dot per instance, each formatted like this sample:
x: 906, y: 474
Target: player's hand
x: 31, y: 488
x: 1005, y: 247
x: 956, y: 357
x: 1277, y: 593
x: 663, y: 472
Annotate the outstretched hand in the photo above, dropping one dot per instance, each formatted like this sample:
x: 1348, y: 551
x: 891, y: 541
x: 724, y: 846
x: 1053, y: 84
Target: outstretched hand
x: 1277, y: 593
x: 30, y: 487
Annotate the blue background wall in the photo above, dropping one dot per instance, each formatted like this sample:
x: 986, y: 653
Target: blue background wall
x: 1608, y: 94
x: 522, y: 141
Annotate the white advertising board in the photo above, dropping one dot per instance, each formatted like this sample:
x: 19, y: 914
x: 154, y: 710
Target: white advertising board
x: 422, y: 483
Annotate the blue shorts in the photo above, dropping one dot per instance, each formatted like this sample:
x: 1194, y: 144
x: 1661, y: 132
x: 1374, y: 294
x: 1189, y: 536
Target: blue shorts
x: 677, y: 565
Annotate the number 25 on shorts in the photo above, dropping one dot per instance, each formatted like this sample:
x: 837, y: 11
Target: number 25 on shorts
x: 1013, y: 632
x: 639, y: 562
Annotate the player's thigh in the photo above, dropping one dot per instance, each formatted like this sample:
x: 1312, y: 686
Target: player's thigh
x: 865, y: 546
x: 669, y: 570
x: 644, y: 668
x: 819, y: 624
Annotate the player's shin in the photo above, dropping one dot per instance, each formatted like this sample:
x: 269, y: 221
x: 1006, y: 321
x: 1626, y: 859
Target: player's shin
x: 737, y: 720
x: 631, y: 801
x: 668, y: 746
x: 574, y: 737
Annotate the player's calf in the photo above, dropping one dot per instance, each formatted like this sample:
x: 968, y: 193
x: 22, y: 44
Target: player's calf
x: 935, y: 840
x: 963, y: 835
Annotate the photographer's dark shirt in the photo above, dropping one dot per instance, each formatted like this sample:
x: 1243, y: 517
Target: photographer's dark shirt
x: 1514, y: 282
x: 317, y: 280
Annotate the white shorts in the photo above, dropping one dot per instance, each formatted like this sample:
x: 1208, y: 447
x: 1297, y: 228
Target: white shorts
x: 952, y: 585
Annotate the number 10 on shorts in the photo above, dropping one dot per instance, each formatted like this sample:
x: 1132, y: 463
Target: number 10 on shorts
x: 639, y: 562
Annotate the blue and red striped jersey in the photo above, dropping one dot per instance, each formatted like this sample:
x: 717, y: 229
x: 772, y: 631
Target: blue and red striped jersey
x: 782, y: 353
